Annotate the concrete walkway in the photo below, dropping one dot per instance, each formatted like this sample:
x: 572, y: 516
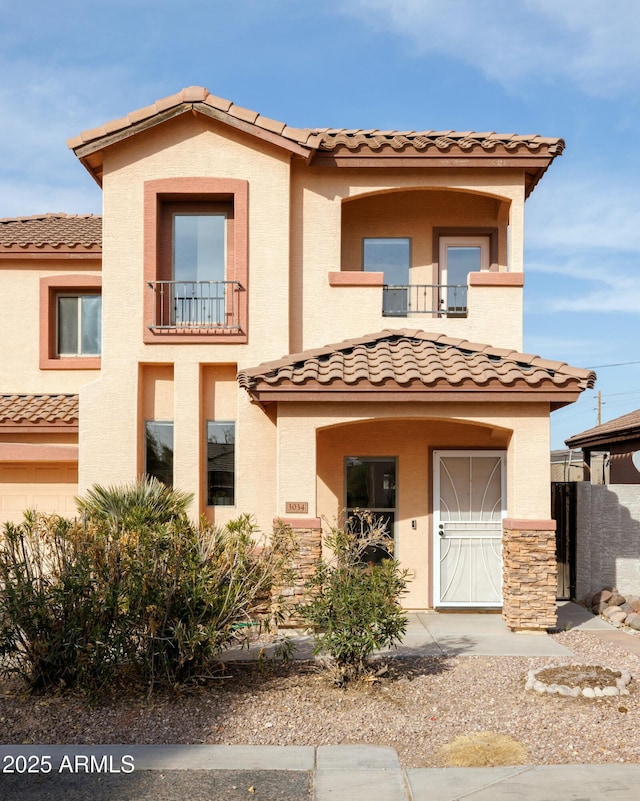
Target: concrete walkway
x: 444, y: 634
x: 292, y: 773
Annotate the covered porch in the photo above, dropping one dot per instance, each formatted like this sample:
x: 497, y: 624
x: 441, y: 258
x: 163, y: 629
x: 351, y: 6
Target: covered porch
x: 447, y: 441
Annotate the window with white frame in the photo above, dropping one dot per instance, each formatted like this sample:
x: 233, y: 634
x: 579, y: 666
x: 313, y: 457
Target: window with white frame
x: 459, y: 256
x: 79, y: 325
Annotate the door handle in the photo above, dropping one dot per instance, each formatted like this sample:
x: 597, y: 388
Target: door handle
x: 441, y: 530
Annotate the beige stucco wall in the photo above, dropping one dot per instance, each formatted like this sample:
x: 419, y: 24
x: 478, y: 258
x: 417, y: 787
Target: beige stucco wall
x: 333, y: 210
x: 296, y: 223
x: 312, y: 434
x: 20, y: 310
x: 185, y: 147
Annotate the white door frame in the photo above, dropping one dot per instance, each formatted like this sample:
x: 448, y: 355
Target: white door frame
x: 439, y: 526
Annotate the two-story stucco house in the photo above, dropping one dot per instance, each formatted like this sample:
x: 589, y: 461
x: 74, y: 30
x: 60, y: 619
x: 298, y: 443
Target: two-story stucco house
x: 294, y: 323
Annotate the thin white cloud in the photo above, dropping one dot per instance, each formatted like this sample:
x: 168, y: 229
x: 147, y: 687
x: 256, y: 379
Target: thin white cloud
x: 590, y: 43
x: 48, y: 107
x: 581, y: 214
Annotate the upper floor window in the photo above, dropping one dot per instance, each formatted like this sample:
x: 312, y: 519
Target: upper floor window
x: 201, y: 295
x: 79, y: 325
x: 458, y: 256
x: 196, y: 260
x: 70, y: 322
x: 391, y: 256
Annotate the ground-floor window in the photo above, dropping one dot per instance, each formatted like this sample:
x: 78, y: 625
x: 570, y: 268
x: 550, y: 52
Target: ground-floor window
x: 159, y: 451
x: 371, y: 486
x: 221, y: 438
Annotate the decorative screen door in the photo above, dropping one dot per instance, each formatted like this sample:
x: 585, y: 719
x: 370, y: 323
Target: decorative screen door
x: 469, y: 501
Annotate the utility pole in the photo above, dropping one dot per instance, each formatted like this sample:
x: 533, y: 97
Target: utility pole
x: 599, y: 407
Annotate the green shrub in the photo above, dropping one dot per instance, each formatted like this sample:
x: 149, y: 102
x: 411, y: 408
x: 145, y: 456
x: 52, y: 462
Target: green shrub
x: 142, y: 503
x: 81, y: 601
x: 353, y: 605
x: 60, y: 592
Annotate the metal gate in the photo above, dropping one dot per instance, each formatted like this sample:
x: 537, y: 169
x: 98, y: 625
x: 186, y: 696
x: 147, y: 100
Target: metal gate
x: 469, y: 492
x: 563, y: 511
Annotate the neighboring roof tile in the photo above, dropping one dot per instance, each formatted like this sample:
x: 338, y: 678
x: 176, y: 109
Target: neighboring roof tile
x: 54, y: 230
x: 52, y: 409
x: 626, y: 426
x: 414, y: 357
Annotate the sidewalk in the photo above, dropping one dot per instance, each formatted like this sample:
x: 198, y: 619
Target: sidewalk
x: 294, y: 773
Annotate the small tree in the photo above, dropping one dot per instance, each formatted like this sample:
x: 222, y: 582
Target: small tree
x: 354, y: 605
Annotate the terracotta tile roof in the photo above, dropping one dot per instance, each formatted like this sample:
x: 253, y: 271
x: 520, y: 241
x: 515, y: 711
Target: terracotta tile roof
x: 467, y: 141
x: 307, y: 142
x: 52, y: 230
x: 51, y: 409
x: 409, y: 358
x: 624, y: 427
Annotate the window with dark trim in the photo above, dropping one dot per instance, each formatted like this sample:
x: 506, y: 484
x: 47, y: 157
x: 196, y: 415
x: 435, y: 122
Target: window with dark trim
x: 221, y: 471
x: 370, y: 485
x: 158, y: 454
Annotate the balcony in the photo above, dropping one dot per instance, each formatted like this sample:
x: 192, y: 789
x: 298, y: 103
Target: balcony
x: 435, y: 300
x: 201, y: 307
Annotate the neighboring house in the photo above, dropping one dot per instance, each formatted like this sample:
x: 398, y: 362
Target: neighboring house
x: 291, y: 326
x: 609, y: 450
x: 567, y: 465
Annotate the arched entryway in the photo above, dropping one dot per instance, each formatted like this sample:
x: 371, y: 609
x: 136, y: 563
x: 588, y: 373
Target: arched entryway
x: 387, y: 465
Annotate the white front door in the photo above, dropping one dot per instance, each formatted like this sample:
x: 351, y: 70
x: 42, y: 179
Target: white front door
x: 469, y: 500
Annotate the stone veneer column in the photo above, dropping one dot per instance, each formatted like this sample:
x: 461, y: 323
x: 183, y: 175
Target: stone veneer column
x: 308, y: 533
x: 529, y: 573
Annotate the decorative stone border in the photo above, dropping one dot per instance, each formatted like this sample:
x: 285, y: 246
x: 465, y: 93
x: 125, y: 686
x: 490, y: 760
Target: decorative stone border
x: 533, y: 683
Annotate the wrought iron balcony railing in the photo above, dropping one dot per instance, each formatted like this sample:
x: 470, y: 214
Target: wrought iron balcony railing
x: 438, y: 300
x: 196, y: 305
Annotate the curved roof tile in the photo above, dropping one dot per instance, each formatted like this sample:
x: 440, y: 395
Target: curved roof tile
x: 54, y: 230
x: 54, y: 409
x: 414, y: 357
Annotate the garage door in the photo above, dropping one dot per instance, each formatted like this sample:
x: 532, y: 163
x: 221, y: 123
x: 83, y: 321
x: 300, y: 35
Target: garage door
x: 46, y: 487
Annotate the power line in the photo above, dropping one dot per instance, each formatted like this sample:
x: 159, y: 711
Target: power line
x: 619, y: 364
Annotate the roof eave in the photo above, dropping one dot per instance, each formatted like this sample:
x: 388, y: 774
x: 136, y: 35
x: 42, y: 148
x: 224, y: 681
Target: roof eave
x: 90, y: 152
x: 593, y: 440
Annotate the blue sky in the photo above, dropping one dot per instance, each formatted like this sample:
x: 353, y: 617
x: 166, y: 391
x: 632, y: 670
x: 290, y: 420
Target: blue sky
x: 569, y: 69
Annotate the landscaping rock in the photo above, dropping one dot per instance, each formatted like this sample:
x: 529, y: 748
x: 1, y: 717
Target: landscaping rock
x: 611, y: 610
x: 603, y: 595
x: 616, y: 600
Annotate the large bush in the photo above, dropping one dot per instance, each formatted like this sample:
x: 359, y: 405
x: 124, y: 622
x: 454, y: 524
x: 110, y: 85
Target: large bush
x: 83, y: 600
x: 354, y: 605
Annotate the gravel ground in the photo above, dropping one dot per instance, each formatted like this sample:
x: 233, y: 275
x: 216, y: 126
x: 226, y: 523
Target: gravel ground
x: 420, y: 705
